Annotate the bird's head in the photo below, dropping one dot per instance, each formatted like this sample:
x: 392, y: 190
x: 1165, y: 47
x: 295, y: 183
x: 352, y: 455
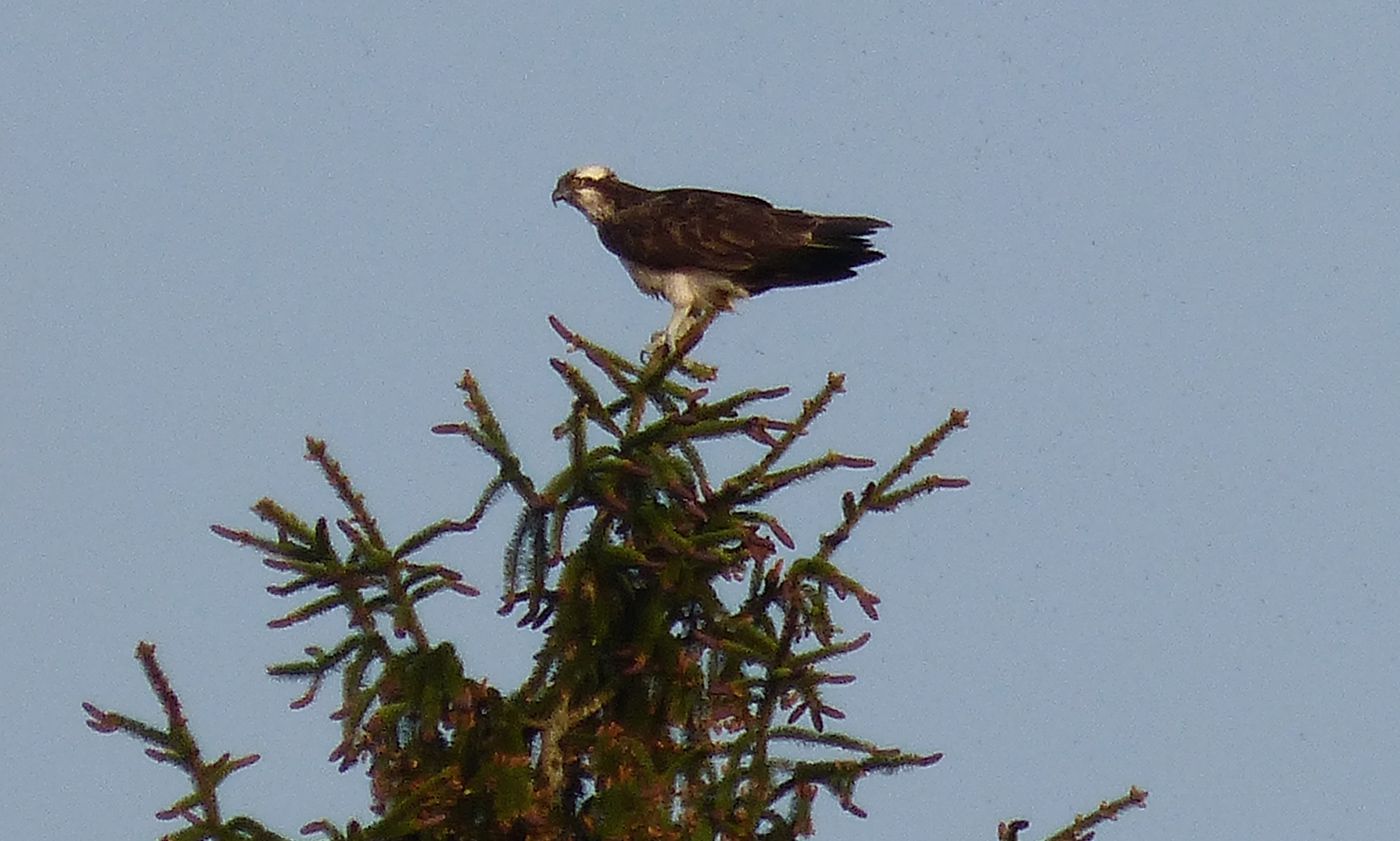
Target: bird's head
x: 586, y: 188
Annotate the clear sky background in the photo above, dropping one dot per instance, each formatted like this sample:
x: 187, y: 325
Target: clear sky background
x: 1151, y: 247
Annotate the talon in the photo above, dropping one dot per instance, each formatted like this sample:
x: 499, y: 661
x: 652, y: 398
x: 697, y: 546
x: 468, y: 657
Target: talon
x: 659, y: 342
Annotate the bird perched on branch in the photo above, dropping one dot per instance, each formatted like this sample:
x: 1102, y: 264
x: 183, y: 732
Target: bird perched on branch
x: 702, y: 250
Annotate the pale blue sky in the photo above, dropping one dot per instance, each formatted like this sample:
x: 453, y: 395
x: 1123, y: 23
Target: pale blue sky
x: 1151, y: 248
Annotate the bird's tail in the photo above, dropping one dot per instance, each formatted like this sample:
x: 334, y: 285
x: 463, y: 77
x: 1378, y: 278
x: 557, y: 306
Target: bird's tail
x: 838, y: 245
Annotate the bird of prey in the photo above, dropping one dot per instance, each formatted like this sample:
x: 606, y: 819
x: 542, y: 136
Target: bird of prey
x: 702, y: 250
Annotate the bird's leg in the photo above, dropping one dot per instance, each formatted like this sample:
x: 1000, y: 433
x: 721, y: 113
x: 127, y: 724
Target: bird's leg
x: 683, y: 317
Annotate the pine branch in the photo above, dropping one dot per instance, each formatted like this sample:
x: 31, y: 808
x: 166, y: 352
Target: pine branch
x: 352, y: 499
x: 1081, y: 828
x: 373, y: 582
x: 487, y: 434
x: 587, y: 403
x: 811, y: 410
x: 878, y: 496
x: 176, y: 745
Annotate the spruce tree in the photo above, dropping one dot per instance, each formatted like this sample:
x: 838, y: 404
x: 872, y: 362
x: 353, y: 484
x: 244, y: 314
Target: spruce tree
x: 686, y: 641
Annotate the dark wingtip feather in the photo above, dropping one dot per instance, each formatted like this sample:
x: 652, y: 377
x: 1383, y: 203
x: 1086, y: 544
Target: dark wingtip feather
x: 848, y: 226
x: 838, y: 246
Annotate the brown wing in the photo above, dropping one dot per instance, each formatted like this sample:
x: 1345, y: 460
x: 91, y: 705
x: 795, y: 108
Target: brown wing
x: 758, y: 245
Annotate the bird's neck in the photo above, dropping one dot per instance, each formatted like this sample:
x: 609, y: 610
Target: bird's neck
x: 601, y: 202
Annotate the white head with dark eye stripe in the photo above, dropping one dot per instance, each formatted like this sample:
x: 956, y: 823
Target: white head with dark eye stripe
x: 586, y: 188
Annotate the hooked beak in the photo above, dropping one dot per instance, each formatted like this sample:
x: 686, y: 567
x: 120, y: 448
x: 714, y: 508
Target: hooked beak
x: 559, y: 194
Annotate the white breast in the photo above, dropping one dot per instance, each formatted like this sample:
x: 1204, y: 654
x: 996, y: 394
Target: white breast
x: 686, y: 288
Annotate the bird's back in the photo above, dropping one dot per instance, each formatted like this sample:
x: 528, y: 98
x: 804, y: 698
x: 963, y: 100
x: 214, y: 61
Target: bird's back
x: 761, y: 246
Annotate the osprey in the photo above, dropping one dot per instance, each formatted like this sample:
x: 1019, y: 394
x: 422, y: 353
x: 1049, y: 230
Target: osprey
x: 702, y: 250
